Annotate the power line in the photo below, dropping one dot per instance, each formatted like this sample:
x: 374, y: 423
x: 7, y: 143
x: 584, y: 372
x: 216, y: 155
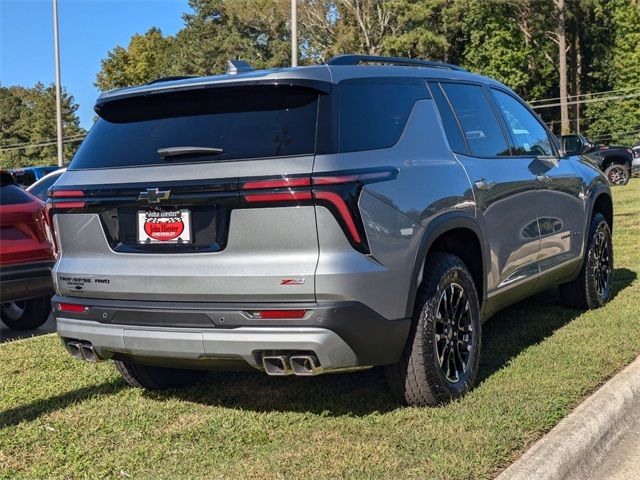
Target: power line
x: 81, y: 135
x: 592, y: 94
x: 589, y: 100
x: 608, y: 136
x: 585, y: 119
x: 37, y: 145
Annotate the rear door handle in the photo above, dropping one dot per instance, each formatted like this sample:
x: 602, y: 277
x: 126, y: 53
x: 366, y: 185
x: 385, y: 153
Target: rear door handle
x: 484, y: 184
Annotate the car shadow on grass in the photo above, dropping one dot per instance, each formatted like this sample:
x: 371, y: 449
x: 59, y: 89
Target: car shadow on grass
x: 529, y: 322
x: 350, y: 394
x: 34, y: 410
x: 361, y: 393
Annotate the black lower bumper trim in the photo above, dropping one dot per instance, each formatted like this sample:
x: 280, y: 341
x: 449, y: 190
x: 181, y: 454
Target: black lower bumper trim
x: 374, y: 339
x: 22, y: 282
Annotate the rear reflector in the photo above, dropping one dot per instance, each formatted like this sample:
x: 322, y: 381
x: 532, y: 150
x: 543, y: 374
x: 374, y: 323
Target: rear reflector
x: 71, y: 307
x: 278, y: 314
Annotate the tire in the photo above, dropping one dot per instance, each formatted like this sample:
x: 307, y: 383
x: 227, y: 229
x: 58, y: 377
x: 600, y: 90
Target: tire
x: 617, y: 174
x: 418, y: 379
x: 157, y: 378
x: 26, y: 314
x: 592, y: 288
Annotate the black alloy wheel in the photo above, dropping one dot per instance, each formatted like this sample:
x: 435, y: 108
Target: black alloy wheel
x: 453, y: 332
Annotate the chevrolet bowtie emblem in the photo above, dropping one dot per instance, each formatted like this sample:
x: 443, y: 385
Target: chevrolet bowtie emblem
x: 155, y: 195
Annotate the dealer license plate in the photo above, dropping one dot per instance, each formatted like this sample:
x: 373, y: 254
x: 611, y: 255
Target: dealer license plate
x: 164, y: 226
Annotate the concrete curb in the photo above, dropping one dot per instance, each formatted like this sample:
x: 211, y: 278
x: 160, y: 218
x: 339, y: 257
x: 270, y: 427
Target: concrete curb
x: 579, y: 436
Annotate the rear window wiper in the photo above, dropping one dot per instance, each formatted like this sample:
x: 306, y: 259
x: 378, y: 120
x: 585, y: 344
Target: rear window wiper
x: 171, y: 152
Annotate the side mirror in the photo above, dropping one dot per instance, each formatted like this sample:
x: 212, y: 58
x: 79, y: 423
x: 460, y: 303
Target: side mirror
x: 573, y: 144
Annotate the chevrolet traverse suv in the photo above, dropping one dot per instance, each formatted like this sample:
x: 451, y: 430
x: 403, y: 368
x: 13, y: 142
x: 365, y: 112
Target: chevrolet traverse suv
x: 370, y: 211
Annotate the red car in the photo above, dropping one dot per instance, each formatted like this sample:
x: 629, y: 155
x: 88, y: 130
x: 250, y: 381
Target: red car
x: 26, y: 258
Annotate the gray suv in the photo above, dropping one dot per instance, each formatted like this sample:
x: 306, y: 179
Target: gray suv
x: 370, y: 211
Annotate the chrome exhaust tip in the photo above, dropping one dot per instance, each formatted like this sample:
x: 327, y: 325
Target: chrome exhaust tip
x: 89, y: 353
x: 276, y: 365
x: 305, y: 365
x: 74, y: 350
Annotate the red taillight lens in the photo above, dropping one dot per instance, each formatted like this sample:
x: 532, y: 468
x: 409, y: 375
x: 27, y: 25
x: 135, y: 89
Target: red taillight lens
x: 337, y: 201
x: 278, y: 197
x: 75, y: 204
x: 72, y: 307
x: 279, y: 183
x: 275, y: 314
x: 66, y: 193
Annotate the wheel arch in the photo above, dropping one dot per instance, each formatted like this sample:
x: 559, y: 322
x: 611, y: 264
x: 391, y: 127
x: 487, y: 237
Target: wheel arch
x: 617, y: 160
x: 458, y: 234
x: 602, y: 203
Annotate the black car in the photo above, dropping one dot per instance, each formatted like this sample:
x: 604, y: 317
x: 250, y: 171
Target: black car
x: 614, y: 161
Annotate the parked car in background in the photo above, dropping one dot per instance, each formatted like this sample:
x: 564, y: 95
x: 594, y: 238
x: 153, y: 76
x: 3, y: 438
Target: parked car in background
x: 614, y: 161
x: 41, y: 188
x: 635, y: 164
x: 26, y: 258
x: 28, y: 175
x: 370, y: 211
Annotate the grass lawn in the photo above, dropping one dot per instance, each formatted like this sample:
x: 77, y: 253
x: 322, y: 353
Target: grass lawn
x: 68, y: 419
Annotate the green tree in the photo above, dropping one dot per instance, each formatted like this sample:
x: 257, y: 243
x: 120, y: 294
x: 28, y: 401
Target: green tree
x: 28, y: 116
x: 146, y: 58
x: 618, y: 121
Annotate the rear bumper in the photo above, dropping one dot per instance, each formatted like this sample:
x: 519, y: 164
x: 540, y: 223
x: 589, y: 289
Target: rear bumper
x: 341, y: 335
x: 21, y: 282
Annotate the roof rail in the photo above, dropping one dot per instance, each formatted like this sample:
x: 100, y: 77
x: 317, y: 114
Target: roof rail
x: 408, y: 62
x: 168, y: 79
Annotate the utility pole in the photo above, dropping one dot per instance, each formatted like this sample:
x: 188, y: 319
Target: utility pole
x: 562, y: 66
x: 56, y: 46
x: 294, y: 34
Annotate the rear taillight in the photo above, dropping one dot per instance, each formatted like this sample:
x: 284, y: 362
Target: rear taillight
x: 337, y: 191
x: 66, y: 199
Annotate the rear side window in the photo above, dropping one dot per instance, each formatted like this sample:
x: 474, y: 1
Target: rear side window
x: 374, y: 112
x: 244, y: 122
x: 451, y: 126
x: 528, y: 134
x: 477, y: 119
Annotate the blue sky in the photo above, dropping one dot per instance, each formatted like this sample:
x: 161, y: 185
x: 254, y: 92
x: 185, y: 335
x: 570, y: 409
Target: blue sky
x: 88, y: 30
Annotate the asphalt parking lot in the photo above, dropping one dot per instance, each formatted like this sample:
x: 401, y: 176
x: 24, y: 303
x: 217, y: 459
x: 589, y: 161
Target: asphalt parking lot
x: 8, y: 335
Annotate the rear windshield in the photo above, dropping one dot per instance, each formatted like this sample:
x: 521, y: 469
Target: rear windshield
x: 25, y: 177
x: 244, y: 122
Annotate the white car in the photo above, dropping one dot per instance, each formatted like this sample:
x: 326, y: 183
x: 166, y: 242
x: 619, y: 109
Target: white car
x: 635, y: 163
x: 41, y: 187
